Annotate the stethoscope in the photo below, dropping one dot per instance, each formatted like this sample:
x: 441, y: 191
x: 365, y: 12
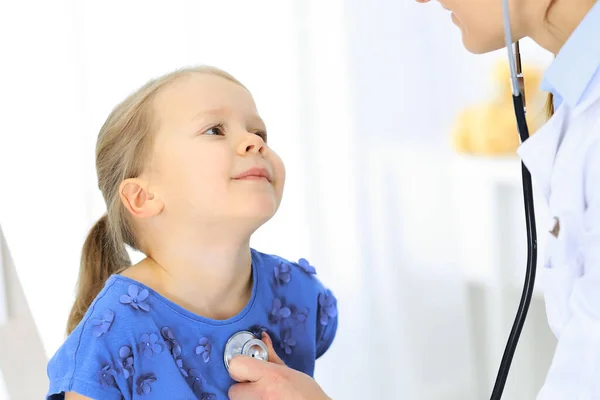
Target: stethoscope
x: 518, y: 93
x: 247, y: 344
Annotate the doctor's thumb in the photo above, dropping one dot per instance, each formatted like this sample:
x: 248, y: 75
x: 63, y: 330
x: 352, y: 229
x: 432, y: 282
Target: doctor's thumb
x: 247, y: 369
x: 273, y: 357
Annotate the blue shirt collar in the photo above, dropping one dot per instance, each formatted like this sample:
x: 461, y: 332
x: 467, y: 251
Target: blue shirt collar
x: 577, y: 62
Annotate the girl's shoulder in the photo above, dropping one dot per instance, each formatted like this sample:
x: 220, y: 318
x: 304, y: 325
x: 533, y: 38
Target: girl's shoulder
x: 88, y: 360
x: 296, y: 288
x: 297, y: 276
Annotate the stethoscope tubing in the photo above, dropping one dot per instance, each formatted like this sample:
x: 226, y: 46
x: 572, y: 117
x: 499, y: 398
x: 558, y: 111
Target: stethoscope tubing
x: 528, y: 286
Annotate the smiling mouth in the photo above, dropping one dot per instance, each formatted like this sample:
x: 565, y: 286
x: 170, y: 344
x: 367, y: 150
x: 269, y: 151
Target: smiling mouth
x: 253, y: 178
x: 254, y: 174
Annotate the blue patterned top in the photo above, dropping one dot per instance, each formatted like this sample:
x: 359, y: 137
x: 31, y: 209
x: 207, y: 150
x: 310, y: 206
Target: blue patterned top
x: 135, y: 344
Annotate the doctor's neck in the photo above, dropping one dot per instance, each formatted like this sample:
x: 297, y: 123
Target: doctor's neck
x: 560, y: 20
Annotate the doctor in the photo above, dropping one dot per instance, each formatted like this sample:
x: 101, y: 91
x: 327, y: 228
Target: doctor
x: 564, y: 160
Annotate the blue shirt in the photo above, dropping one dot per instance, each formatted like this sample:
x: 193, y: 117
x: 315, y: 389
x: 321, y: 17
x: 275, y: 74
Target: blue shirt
x: 572, y: 72
x: 133, y: 343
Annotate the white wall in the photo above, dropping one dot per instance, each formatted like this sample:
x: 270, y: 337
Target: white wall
x: 42, y: 201
x: 3, y: 388
x: 22, y: 357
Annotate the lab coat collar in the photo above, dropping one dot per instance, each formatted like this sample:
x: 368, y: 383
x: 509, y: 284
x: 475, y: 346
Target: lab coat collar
x: 538, y: 151
x: 578, y: 61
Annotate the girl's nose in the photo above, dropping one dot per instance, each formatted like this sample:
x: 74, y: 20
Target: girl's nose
x: 251, y: 143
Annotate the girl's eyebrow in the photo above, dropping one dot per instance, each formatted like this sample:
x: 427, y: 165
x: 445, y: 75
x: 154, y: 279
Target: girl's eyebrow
x: 212, y: 112
x: 220, y: 112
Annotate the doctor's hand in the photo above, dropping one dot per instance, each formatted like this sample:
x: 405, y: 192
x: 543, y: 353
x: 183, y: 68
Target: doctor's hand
x: 271, y: 380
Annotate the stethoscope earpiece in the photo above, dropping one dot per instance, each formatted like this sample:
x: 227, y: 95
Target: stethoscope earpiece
x: 247, y: 344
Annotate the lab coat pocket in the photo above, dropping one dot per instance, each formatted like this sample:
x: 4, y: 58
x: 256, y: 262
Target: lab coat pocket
x: 562, y: 267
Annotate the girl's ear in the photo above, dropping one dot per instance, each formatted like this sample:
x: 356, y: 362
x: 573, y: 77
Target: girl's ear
x: 138, y: 200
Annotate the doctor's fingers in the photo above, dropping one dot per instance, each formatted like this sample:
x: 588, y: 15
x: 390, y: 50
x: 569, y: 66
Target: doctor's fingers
x: 279, y: 382
x: 260, y: 380
x: 244, y: 391
x: 423, y: 1
x: 248, y: 369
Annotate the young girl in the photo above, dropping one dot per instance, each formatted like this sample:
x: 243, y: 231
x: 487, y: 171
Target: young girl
x: 187, y: 176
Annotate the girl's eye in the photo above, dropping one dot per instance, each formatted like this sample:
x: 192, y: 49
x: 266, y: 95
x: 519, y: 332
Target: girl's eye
x: 214, y: 131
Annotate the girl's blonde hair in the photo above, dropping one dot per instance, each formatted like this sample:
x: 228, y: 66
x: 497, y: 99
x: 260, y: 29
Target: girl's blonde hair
x: 123, y: 148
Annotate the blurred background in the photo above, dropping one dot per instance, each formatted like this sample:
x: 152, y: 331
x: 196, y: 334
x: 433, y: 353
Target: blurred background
x: 403, y: 187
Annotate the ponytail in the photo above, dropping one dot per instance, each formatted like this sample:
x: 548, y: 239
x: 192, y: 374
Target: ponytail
x: 101, y: 257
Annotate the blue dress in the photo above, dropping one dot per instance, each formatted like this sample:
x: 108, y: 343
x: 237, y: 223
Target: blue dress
x: 135, y: 344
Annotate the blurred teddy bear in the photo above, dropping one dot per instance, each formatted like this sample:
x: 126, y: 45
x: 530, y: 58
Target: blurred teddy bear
x: 491, y: 128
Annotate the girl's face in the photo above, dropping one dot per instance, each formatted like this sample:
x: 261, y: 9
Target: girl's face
x: 211, y: 165
x: 481, y: 21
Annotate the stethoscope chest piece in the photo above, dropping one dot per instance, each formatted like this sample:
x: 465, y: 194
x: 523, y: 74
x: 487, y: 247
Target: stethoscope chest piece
x: 245, y: 343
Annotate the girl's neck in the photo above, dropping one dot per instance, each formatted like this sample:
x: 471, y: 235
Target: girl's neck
x: 212, y: 280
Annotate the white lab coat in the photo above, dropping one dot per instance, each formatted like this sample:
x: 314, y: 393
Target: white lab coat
x: 564, y: 160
